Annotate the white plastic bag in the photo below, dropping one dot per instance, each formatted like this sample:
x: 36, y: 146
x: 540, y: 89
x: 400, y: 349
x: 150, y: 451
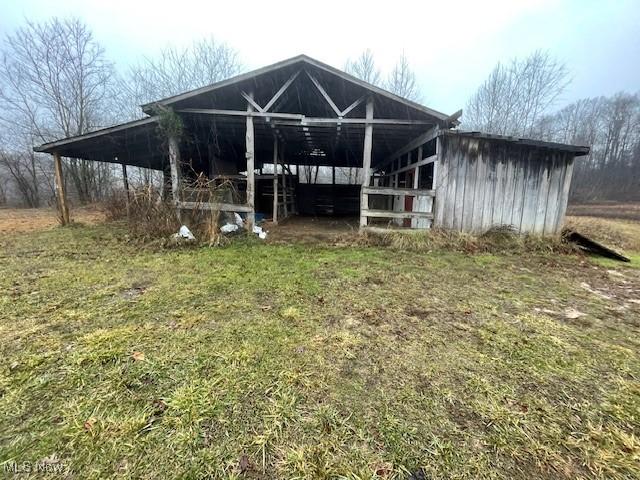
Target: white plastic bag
x: 185, y: 233
x: 229, y: 228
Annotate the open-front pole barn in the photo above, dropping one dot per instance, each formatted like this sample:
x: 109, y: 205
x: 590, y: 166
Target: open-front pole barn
x: 265, y: 128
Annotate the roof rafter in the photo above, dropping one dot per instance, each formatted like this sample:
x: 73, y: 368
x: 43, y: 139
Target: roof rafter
x: 324, y: 94
x: 279, y: 93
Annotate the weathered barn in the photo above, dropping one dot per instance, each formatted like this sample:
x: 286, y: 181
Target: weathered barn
x: 415, y: 170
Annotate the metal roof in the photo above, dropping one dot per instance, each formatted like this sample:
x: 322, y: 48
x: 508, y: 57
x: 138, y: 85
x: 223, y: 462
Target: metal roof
x: 578, y: 150
x: 299, y: 60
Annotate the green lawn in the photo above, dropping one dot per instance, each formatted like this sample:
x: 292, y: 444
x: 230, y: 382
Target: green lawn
x: 307, y: 361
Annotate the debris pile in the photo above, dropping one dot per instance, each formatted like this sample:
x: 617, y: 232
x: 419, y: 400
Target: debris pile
x: 591, y: 246
x: 238, y: 225
x: 184, y: 235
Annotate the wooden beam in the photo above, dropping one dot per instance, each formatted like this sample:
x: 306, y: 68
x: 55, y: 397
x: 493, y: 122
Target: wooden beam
x: 240, y: 113
x: 421, y: 163
x: 176, y: 180
x: 223, y: 207
x: 392, y: 214
x: 416, y: 174
x: 398, y: 191
x: 304, y: 120
x: 364, y: 121
x: 330, y: 122
x: 384, y: 231
x: 125, y: 181
x: 366, y: 162
x: 437, y: 186
x: 453, y: 118
x: 251, y: 180
x: 352, y: 106
x: 285, y: 202
x: 324, y: 94
x: 61, y: 196
x: 279, y: 93
x: 412, y: 145
x: 275, y: 180
x: 252, y: 102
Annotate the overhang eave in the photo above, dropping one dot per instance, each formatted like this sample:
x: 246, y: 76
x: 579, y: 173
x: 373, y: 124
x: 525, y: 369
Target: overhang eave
x: 133, y: 143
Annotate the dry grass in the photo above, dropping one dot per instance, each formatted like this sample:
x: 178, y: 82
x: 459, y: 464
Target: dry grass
x: 17, y: 220
x: 307, y: 361
x: 497, y: 241
x: 623, y: 211
x: 620, y: 234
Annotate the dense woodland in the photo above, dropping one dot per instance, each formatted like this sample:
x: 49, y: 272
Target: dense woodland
x: 57, y: 81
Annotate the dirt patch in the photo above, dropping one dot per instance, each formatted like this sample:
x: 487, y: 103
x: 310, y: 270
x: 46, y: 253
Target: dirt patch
x: 310, y: 229
x: 17, y: 220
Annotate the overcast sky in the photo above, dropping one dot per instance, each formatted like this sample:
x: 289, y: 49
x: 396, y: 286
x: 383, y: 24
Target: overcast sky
x: 452, y: 46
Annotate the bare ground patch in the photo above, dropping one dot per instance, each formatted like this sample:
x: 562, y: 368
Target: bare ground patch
x: 17, y: 220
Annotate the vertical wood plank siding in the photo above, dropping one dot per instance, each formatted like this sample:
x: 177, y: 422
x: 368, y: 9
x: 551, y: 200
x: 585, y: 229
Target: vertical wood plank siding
x: 484, y: 183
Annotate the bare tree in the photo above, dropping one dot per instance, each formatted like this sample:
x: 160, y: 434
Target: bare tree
x: 364, y: 67
x: 22, y: 168
x: 3, y: 190
x: 176, y: 70
x: 54, y: 83
x: 402, y: 80
x: 611, y: 127
x: 515, y: 97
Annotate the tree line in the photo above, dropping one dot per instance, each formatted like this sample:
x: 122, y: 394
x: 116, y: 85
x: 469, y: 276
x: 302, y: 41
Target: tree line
x: 518, y: 99
x: 56, y: 81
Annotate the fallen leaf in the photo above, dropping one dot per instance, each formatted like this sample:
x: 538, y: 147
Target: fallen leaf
x: 384, y: 470
x: 137, y: 356
x: 88, y: 425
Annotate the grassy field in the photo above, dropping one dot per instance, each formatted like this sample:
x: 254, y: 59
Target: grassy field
x: 310, y: 361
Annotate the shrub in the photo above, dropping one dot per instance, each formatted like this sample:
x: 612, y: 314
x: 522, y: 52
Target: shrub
x: 151, y: 216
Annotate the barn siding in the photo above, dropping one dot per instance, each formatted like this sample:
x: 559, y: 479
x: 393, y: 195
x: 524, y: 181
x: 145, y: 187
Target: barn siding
x: 484, y: 183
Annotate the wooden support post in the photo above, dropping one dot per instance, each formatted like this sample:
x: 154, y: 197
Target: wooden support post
x: 284, y: 192
x: 437, y: 206
x: 61, y: 196
x: 275, y: 180
x: 333, y: 175
x: 166, y: 183
x: 251, y: 178
x: 176, y: 174
x: 366, y: 163
x: 125, y: 181
x: 416, y: 173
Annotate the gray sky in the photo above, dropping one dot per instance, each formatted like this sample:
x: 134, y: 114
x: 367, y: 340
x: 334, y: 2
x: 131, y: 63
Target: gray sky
x: 452, y: 46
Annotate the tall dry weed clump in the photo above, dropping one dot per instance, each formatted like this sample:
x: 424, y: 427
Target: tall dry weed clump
x: 151, y: 214
x: 501, y: 239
